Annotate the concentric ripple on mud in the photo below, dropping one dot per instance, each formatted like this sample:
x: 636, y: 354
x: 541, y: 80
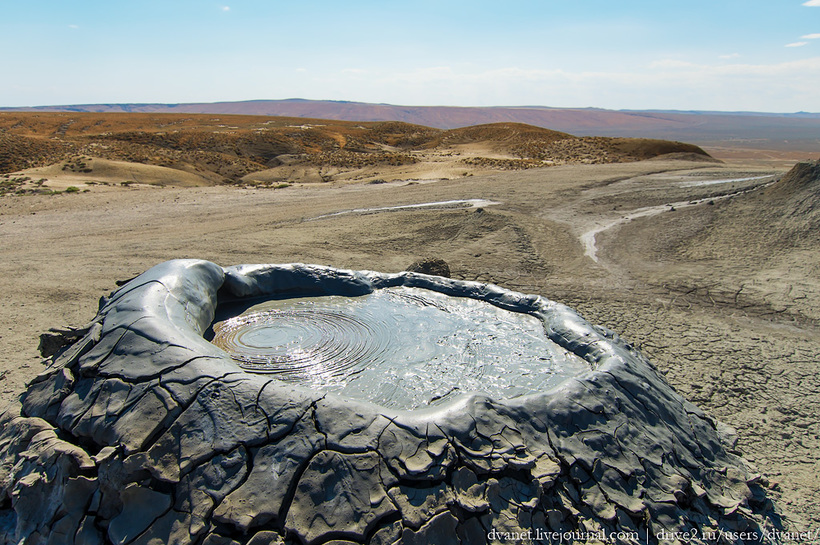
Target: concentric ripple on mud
x: 398, y: 347
x: 302, y: 343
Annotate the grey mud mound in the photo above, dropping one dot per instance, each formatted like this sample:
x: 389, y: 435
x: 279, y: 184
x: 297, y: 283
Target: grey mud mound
x: 144, y: 432
x: 803, y: 177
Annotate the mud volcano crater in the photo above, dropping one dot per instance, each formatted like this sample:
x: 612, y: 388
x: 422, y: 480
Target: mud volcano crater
x: 396, y: 344
x: 305, y: 404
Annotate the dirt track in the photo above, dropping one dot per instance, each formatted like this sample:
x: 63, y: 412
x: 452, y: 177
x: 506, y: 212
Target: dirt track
x: 736, y: 333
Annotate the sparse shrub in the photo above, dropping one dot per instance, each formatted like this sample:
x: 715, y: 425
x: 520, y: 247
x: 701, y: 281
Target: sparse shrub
x: 72, y: 189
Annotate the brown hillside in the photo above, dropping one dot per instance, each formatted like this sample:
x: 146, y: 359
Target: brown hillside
x: 513, y: 134
x: 737, y: 135
x: 234, y: 148
x: 402, y: 135
x: 646, y: 148
x: 19, y: 152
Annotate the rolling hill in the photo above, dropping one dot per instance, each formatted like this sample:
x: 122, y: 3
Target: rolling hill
x: 799, y: 131
x: 204, y: 149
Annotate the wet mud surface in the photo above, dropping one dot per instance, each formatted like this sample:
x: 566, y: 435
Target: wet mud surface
x: 398, y: 347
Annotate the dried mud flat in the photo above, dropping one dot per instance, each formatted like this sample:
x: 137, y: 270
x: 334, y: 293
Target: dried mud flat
x: 722, y: 297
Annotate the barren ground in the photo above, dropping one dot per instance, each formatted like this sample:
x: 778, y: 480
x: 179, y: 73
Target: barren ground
x: 731, y: 321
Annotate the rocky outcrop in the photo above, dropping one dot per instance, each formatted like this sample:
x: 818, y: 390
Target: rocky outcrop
x: 144, y: 432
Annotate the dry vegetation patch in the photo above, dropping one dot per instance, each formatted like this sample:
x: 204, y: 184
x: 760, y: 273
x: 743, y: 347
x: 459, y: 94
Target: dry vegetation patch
x: 228, y: 149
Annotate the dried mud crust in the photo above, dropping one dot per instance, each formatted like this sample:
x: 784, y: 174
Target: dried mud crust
x: 143, y: 431
x: 734, y: 322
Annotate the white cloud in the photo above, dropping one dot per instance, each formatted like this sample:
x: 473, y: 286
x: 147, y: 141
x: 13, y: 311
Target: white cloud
x: 74, y: 26
x: 671, y: 63
x: 730, y: 56
x: 667, y: 84
x: 814, y: 3
x: 797, y: 44
x: 811, y: 37
x: 226, y: 8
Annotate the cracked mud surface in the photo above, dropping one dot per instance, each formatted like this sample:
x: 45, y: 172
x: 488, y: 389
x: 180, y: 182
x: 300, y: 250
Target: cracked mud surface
x: 733, y: 330
x: 166, y: 438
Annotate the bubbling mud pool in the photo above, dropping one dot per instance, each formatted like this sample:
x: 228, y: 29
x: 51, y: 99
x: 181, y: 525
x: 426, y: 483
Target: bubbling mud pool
x: 400, y: 347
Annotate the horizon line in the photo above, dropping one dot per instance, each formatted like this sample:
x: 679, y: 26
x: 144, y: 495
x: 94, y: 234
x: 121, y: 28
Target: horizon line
x: 297, y: 99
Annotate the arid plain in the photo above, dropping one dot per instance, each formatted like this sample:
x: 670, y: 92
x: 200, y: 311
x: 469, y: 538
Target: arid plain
x: 710, y: 268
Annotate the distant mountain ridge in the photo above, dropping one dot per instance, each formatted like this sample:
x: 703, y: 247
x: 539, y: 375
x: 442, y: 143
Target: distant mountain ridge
x: 752, y: 129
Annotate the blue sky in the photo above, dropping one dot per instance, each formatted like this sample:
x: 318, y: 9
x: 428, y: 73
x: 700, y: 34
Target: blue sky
x: 757, y: 55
